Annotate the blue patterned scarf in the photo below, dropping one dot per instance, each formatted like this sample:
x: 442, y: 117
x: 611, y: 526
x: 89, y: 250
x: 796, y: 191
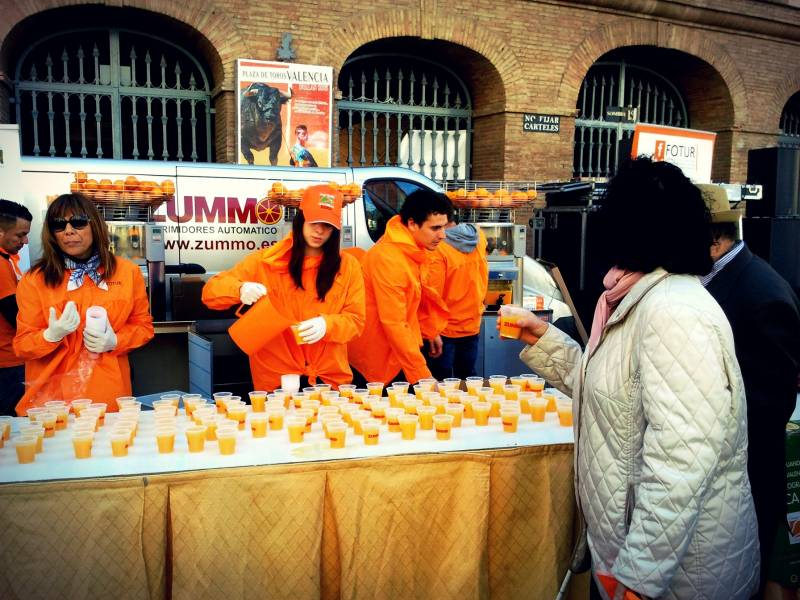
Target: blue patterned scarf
x: 79, y: 269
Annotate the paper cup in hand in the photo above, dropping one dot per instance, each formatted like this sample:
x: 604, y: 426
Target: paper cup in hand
x: 96, y: 320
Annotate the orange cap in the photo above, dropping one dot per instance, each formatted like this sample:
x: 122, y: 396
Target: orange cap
x: 322, y: 204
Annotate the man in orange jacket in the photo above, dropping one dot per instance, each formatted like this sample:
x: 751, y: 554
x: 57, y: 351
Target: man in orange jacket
x: 401, y: 308
x: 460, y: 273
x: 15, y: 225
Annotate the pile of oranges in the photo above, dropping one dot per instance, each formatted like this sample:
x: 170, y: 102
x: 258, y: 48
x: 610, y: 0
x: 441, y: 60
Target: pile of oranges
x: 280, y: 194
x: 481, y: 197
x: 130, y: 185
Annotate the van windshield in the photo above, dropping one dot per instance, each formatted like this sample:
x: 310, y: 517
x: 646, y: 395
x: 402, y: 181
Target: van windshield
x: 383, y: 199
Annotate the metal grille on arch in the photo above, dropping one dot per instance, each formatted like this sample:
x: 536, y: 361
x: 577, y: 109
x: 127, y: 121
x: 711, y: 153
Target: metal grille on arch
x: 404, y: 111
x: 112, y: 93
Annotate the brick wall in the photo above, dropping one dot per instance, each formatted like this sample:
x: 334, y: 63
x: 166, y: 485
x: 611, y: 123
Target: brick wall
x: 740, y: 60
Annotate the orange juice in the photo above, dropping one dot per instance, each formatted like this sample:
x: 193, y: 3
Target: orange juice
x: 497, y: 383
x: 5, y: 428
x: 375, y: 388
x: 296, y: 334
x: 337, y: 433
x: 473, y: 384
x: 296, y: 427
x: 443, y: 424
x: 511, y: 391
x: 565, y: 413
x: 520, y: 381
x: 426, y: 417
x: 510, y: 421
x: 346, y: 390
x: 257, y: 401
x: 258, y: 426
x: 538, y: 409
x: 393, y: 418
x: 509, y: 327
x: 82, y: 444
x: 551, y: 402
x: 36, y: 431
x: 536, y: 384
x: 48, y: 421
x: 495, y: 400
x: 196, y: 438
x: 372, y: 431
x: 467, y: 400
x: 456, y: 411
x: 525, y: 398
x: 481, y: 411
x: 227, y: 440
x: 119, y: 443
x: 165, y: 440
x: 379, y: 410
x: 408, y: 426
x: 308, y: 415
x: 438, y: 404
x: 26, y: 449
x: 276, y: 416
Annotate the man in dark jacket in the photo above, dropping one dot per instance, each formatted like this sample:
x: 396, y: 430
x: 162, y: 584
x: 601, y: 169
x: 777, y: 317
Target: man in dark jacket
x: 764, y: 314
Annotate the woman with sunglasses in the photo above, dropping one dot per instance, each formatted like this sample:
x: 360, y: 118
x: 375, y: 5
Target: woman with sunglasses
x: 302, y: 280
x: 64, y: 360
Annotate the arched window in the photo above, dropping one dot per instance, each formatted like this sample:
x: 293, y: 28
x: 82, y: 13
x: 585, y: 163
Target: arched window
x: 622, y: 85
x: 112, y: 93
x: 789, y: 133
x: 405, y: 111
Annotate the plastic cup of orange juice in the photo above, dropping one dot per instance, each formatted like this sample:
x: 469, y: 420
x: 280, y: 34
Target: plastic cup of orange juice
x: 468, y: 400
x: 128, y: 427
x: 496, y: 400
x: 410, y: 404
x: 481, y: 411
x: 536, y: 384
x: 296, y: 334
x: 337, y: 434
x: 312, y: 393
x: 358, y: 418
x: 359, y: 394
x: 375, y: 388
x: 484, y: 393
x: 36, y: 430
x: 257, y: 400
x: 276, y: 417
x: 165, y: 439
x: 443, y: 424
x: 82, y: 443
x: 371, y: 429
x: 328, y: 396
x: 552, y: 403
x: 525, y: 399
x: 119, y: 442
x: 473, y: 384
x: 497, y: 383
x: 379, y: 409
x: 538, y: 408
x: 346, y: 410
x: 48, y: 421
x: 509, y: 323
x: 346, y: 390
x: 510, y: 420
x: 308, y: 415
x: 196, y: 438
x: 511, y: 391
x: 326, y: 419
x: 5, y: 427
x: 79, y: 405
x: 26, y: 449
x: 408, y: 426
x: 211, y: 424
x: 296, y: 427
x: 59, y: 407
x: 393, y: 418
x: 439, y: 404
x: 426, y: 417
x: 428, y: 397
x: 565, y: 413
x: 124, y: 401
x: 451, y: 383
x: 455, y: 410
x: 226, y: 438
x: 258, y: 425
x: 219, y: 400
x: 238, y: 413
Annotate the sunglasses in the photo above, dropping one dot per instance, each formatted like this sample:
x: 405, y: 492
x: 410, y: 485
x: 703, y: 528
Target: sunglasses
x: 59, y: 224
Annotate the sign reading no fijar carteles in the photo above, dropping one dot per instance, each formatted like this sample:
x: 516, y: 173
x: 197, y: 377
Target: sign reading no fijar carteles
x: 536, y: 123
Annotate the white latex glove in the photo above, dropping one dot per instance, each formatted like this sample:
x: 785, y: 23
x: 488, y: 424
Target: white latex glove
x: 251, y: 292
x: 100, y: 341
x: 313, y: 330
x: 59, y: 328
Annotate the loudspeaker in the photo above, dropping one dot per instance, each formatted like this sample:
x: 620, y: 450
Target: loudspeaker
x: 778, y: 170
x: 777, y: 241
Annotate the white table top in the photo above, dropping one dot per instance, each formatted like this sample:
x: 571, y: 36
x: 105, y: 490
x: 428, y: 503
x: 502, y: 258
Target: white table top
x: 57, y: 461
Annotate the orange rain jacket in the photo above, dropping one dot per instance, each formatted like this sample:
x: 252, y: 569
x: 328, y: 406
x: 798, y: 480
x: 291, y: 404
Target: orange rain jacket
x: 65, y: 370
x: 343, y: 310
x: 9, y: 269
x: 400, y: 309
x: 462, y: 280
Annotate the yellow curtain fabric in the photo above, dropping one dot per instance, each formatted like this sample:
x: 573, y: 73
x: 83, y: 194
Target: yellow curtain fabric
x: 464, y: 525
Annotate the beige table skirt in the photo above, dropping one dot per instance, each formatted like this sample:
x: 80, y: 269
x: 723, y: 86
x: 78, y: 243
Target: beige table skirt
x: 496, y: 524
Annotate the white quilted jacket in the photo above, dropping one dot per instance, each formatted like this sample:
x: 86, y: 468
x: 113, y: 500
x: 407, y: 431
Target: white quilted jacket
x: 661, y: 443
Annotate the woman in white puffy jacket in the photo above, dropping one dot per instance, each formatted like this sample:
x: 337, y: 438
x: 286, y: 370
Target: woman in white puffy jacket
x: 660, y: 419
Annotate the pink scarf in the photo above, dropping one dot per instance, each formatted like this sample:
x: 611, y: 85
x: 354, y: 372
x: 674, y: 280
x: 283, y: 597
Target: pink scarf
x: 617, y: 283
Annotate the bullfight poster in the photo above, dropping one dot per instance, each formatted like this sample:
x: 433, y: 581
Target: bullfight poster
x: 284, y: 113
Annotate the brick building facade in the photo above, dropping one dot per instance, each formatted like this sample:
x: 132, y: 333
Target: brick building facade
x: 736, y: 62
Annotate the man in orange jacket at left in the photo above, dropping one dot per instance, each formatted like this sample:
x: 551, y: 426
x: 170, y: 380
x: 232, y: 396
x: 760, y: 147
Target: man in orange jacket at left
x: 15, y: 225
x: 64, y: 360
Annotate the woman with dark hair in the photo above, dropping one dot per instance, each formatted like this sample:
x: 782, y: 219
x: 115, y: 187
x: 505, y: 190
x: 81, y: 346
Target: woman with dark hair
x: 303, y: 280
x: 64, y: 360
x: 660, y: 418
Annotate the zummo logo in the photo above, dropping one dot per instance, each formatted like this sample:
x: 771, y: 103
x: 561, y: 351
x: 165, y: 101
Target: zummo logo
x: 197, y: 209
